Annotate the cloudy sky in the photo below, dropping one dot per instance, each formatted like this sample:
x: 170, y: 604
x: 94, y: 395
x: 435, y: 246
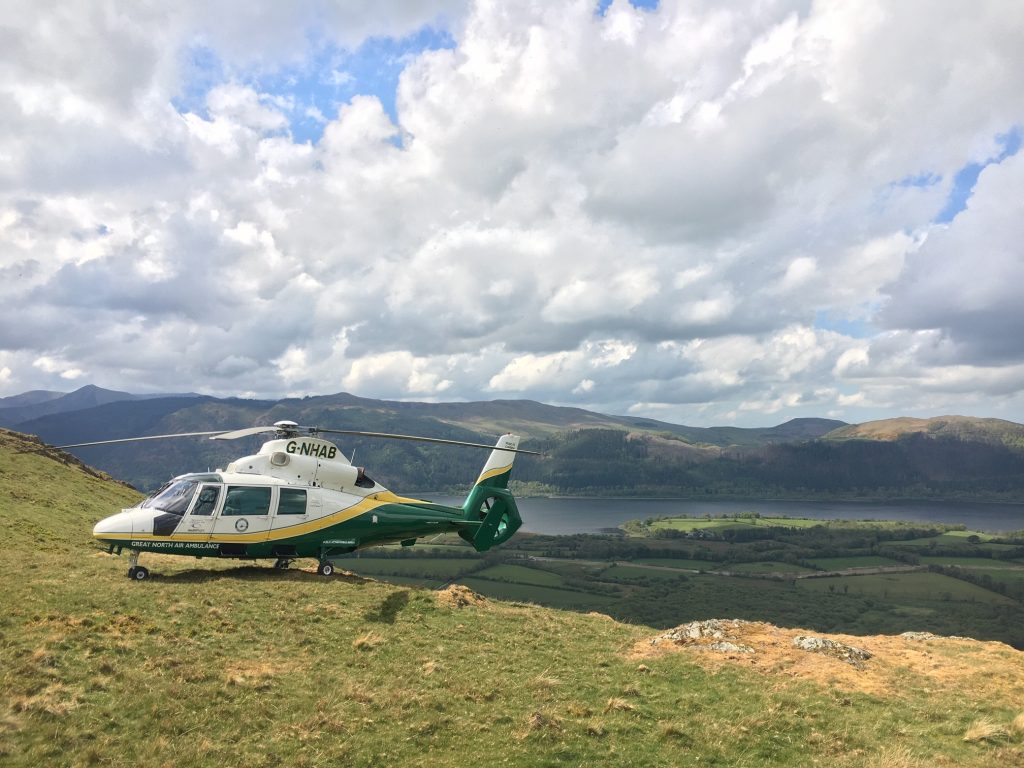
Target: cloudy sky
x: 704, y: 211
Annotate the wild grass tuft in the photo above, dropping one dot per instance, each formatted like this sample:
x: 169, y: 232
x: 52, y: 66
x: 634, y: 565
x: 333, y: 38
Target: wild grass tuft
x: 984, y: 729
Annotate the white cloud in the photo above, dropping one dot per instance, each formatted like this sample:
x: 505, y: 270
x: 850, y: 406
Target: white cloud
x: 645, y: 211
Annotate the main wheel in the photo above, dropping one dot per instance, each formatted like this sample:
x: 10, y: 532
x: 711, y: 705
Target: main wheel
x: 138, y: 573
x: 325, y: 569
x: 282, y: 564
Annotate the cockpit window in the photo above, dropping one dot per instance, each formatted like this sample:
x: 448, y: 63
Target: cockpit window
x: 173, y: 497
x: 207, y: 501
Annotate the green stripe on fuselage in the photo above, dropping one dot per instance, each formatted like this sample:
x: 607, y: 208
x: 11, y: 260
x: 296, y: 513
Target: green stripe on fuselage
x: 382, y: 524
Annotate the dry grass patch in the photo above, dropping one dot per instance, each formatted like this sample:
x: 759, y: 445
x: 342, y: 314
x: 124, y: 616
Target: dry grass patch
x: 459, y: 596
x: 616, y: 704
x: 1017, y: 726
x: 368, y: 642
x: 541, y: 723
x: 984, y: 729
x: 899, y: 666
x: 256, y: 674
x: 898, y: 757
x: 545, y: 681
x: 56, y: 700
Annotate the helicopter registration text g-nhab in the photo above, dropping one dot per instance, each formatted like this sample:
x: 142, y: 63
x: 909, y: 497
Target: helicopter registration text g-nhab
x: 301, y: 497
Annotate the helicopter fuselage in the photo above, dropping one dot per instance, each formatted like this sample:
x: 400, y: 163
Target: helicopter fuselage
x: 301, y: 497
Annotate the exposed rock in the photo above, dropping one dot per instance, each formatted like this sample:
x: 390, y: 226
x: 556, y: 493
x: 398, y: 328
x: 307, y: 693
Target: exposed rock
x: 727, y: 647
x: 716, y: 629
x: 722, y: 632
x: 929, y: 636
x: 919, y: 636
x: 848, y: 653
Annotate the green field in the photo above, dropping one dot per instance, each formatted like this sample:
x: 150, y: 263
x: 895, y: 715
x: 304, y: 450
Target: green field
x: 672, y: 562
x: 427, y: 567
x: 764, y: 567
x: 958, y: 538
x: 906, y: 586
x: 972, y: 562
x: 633, y: 572
x: 522, y: 575
x: 527, y: 593
x: 842, y: 563
x: 724, y: 523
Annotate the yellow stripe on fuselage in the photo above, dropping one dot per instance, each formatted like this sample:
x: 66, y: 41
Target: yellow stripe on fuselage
x: 368, y: 504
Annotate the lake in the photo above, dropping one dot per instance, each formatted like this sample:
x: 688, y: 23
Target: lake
x: 573, y: 515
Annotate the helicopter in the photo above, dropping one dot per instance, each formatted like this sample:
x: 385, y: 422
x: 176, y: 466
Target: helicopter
x: 299, y: 496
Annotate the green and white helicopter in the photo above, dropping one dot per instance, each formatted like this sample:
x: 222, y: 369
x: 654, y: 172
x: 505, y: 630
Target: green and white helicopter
x: 299, y: 497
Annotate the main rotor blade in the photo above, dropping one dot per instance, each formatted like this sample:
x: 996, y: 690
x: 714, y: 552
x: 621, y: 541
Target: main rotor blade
x: 390, y: 436
x: 242, y: 433
x: 137, y: 439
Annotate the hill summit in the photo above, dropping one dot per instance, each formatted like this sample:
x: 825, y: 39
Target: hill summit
x: 210, y: 662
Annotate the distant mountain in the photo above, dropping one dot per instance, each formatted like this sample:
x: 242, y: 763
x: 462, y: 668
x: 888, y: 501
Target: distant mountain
x: 28, y: 406
x: 956, y: 427
x: 568, y: 432
x: 33, y: 397
x: 585, y: 453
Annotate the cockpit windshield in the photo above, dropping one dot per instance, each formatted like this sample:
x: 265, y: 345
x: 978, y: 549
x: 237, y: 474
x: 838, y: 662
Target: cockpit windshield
x: 173, y: 497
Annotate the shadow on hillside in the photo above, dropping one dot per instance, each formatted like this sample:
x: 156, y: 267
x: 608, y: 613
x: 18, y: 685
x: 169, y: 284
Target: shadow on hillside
x: 256, y: 573
x: 389, y: 608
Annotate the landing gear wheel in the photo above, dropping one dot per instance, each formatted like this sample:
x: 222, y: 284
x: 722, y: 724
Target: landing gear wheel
x: 138, y: 573
x: 325, y: 569
x: 282, y: 563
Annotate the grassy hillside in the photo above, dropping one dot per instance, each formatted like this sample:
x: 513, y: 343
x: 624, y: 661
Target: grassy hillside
x: 969, y: 428
x: 216, y: 663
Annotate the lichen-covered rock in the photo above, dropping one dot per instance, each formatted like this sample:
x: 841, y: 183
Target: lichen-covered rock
x: 715, y: 629
x: 848, y: 653
x: 919, y: 636
x: 722, y: 634
x: 726, y: 647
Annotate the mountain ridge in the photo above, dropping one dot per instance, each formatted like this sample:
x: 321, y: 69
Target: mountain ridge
x: 585, y: 453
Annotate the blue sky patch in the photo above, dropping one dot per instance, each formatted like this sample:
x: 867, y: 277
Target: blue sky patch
x: 311, y: 93
x: 646, y: 5
x: 926, y: 179
x: 855, y: 328
x: 967, y: 177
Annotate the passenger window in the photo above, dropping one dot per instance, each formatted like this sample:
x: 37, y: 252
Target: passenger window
x: 207, y: 501
x: 292, y: 502
x: 244, y: 500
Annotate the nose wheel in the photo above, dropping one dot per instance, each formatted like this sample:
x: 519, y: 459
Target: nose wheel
x: 136, y: 572
x: 325, y: 568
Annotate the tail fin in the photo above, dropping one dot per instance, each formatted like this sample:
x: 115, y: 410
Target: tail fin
x: 496, y: 471
x: 490, y: 502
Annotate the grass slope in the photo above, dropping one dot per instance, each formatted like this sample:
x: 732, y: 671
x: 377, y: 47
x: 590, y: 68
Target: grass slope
x: 213, y: 663
x: 960, y: 427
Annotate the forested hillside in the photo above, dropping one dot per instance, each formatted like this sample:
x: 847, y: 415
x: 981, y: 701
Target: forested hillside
x: 586, y: 453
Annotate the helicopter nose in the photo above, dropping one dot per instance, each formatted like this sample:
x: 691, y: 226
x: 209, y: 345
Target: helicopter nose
x: 119, y: 523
